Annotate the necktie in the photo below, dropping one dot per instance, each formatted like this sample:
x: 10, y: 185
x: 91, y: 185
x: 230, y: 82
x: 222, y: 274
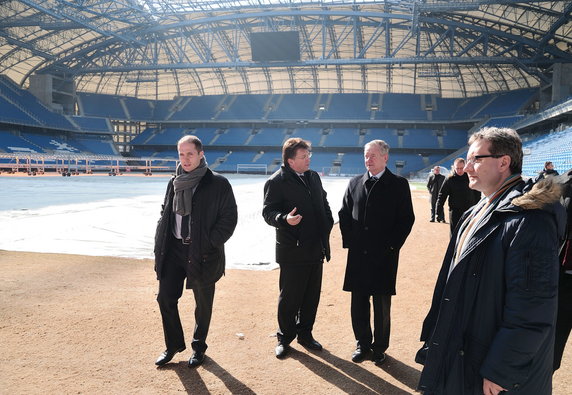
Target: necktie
x: 369, y: 183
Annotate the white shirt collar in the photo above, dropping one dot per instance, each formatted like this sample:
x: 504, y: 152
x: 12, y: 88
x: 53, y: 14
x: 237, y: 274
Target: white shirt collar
x: 378, y: 175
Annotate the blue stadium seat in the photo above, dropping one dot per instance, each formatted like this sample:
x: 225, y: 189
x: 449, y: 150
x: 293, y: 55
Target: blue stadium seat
x: 294, y: 106
x: 138, y: 109
x: 387, y: 135
x: 268, y: 137
x: 233, y: 136
x: 99, y: 105
x: 11, y: 143
x: 420, y: 138
x: 92, y: 124
x: 343, y: 137
x: 555, y: 147
x: 398, y: 106
x: 347, y: 106
x: 245, y: 107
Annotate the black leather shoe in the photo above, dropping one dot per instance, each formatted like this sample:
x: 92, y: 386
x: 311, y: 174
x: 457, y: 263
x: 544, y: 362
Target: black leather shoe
x: 166, y: 356
x: 360, y: 354
x: 379, y: 359
x: 282, y: 350
x: 310, y: 343
x: 197, y: 359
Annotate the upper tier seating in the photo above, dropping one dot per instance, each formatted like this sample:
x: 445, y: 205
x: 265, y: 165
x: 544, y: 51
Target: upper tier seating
x: 555, y: 147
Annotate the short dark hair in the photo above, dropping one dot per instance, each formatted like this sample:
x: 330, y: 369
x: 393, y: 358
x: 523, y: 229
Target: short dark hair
x: 291, y: 147
x: 547, y: 163
x: 191, y: 139
x: 504, y: 141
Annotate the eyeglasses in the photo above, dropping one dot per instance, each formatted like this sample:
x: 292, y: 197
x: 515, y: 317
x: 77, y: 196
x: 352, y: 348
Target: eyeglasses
x: 477, y: 158
x: 305, y: 156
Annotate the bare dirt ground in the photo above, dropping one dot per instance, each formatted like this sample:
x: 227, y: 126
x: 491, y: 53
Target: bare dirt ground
x: 87, y: 325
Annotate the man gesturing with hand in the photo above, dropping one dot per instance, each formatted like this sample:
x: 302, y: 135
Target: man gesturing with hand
x: 295, y: 204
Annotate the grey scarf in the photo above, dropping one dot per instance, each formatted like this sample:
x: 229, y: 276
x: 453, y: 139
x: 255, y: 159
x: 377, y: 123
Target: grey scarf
x: 184, y: 185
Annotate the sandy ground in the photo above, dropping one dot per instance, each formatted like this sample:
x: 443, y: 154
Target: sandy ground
x: 87, y: 325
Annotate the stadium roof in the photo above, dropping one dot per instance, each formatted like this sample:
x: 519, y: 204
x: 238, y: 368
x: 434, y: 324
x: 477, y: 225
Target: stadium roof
x: 164, y: 48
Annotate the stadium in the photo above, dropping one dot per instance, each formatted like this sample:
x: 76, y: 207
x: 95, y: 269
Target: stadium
x: 101, y: 86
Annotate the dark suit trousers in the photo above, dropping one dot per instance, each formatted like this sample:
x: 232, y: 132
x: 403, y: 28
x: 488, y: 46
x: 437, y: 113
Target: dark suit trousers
x: 436, y: 210
x: 300, y: 287
x: 454, y: 217
x: 361, y: 321
x: 171, y: 289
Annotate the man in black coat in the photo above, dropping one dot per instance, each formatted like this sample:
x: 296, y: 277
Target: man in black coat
x: 375, y: 219
x: 295, y: 204
x: 461, y: 197
x: 490, y: 327
x: 434, y: 184
x: 198, y: 216
x: 548, y: 171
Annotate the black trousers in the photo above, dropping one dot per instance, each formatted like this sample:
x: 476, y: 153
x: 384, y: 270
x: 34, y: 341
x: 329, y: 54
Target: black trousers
x: 171, y: 289
x: 300, y: 287
x: 378, y: 341
x: 436, y: 210
x: 564, y: 318
x: 454, y: 217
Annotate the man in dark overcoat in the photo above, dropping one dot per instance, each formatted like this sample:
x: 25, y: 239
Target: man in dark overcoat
x: 456, y: 189
x: 434, y: 183
x: 295, y: 204
x: 198, y: 216
x: 490, y: 327
x: 375, y: 219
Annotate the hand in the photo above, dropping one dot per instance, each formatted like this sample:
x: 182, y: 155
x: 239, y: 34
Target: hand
x: 292, y: 218
x: 490, y: 388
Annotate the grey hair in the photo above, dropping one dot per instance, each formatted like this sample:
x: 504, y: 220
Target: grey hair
x: 382, y: 145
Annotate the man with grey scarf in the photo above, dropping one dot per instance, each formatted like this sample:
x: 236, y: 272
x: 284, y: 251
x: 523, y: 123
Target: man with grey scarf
x: 198, y: 216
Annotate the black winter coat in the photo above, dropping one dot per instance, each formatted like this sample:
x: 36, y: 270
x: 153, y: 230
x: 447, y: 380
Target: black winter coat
x: 434, y: 184
x: 494, y: 317
x: 213, y: 219
x: 309, y: 241
x: 456, y: 188
x: 374, y: 227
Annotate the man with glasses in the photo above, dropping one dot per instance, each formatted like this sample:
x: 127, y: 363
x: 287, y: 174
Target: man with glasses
x: 490, y: 327
x: 295, y: 204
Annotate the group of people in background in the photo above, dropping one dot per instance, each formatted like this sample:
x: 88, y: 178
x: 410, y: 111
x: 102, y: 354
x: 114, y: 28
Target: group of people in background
x: 491, y: 325
x: 455, y: 188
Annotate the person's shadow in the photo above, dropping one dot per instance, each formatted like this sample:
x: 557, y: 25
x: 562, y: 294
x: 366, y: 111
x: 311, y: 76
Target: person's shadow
x: 194, y: 384
x: 355, y: 379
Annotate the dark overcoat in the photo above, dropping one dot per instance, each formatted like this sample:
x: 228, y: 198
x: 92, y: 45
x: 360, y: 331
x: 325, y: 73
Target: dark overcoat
x: 213, y: 219
x: 434, y: 183
x: 494, y: 315
x: 374, y: 226
x: 456, y: 189
x: 309, y: 241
